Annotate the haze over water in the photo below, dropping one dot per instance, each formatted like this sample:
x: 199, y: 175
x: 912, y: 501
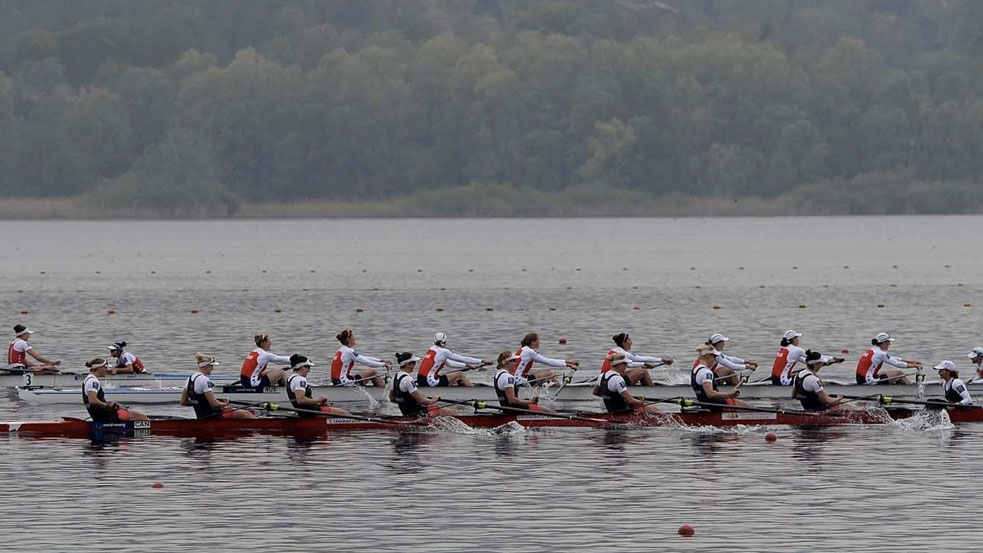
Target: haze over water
x: 486, y: 283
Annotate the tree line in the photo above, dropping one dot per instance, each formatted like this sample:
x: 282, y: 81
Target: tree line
x: 850, y: 106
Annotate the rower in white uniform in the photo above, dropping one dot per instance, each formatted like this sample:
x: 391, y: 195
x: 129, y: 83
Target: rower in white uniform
x: 256, y: 372
x: 301, y: 395
x: 94, y: 397
x: 406, y: 396
x: 506, y: 388
x: 613, y: 389
x: 438, y: 357
x: 704, y: 384
x: 20, y: 348
x: 726, y: 367
x: 528, y: 354
x: 346, y: 357
x: 638, y: 365
x: 976, y: 356
x: 954, y: 389
x: 199, y: 393
x: 870, y: 367
x: 789, y: 354
x: 808, y: 387
x: 126, y: 362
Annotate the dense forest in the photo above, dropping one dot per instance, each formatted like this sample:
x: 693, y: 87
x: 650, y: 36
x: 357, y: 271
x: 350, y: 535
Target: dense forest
x: 501, y: 107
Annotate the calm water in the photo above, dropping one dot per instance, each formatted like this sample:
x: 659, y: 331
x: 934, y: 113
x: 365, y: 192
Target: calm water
x: 170, y: 289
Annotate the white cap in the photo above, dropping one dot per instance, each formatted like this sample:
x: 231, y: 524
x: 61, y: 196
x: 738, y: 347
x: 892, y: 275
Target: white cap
x: 210, y: 363
x: 709, y: 351
x: 25, y: 331
x: 946, y: 366
x: 790, y: 334
x: 977, y: 351
x: 439, y: 337
x: 512, y: 357
x: 718, y: 338
x: 883, y: 337
x: 618, y: 359
x: 410, y: 360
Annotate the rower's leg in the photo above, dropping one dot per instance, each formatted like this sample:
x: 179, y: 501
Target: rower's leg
x: 652, y: 410
x: 335, y: 411
x: 241, y: 414
x: 639, y: 377
x: 137, y: 416
x: 370, y: 375
x: 544, y: 375
x: 727, y: 376
x: 896, y: 376
x: 448, y: 411
x: 742, y: 403
x: 277, y: 377
x: 457, y: 378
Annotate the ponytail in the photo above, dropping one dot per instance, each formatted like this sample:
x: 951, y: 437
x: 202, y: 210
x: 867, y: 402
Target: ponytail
x: 619, y: 339
x: 528, y: 339
x: 874, y: 342
x: 785, y: 342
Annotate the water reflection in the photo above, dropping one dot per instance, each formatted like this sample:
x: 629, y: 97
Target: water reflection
x: 709, y: 444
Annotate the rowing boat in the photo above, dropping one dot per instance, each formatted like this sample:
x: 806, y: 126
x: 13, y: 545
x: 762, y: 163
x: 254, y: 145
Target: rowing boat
x: 13, y: 378
x: 571, y: 396
x: 71, y: 427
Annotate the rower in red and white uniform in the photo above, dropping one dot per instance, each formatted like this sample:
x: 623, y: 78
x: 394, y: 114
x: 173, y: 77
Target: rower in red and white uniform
x: 976, y: 356
x: 20, y: 348
x: 506, y: 388
x: 199, y: 393
x: 870, y: 367
x: 954, y: 389
x: 256, y: 372
x: 94, y: 398
x: 300, y: 393
x: 126, y: 362
x: 528, y: 354
x: 726, y: 366
x: 406, y: 396
x: 808, y: 387
x: 612, y: 387
x: 788, y: 356
x: 638, y: 365
x: 438, y: 357
x: 346, y: 357
x: 704, y: 385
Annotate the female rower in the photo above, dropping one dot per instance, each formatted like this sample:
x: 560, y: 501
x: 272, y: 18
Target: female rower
x: 300, y: 393
x: 638, y: 365
x: 977, y: 357
x: 726, y: 366
x: 21, y: 347
x: 437, y: 357
x: 612, y: 387
x: 346, y: 357
x: 954, y: 389
x: 94, y: 398
x: 808, y: 387
x: 506, y: 389
x: 126, y: 362
x: 788, y: 356
x: 705, y: 387
x: 405, y: 394
x: 528, y: 354
x: 255, y: 373
x: 199, y: 393
x: 869, y: 367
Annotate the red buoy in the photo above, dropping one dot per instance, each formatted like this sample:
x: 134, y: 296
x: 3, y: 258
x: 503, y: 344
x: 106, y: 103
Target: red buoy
x: 844, y: 351
x: 157, y: 485
x: 563, y: 340
x: 686, y: 530
x: 771, y: 437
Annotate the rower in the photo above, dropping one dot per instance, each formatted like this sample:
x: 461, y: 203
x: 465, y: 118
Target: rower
x: 437, y: 357
x: 506, y: 389
x: 705, y: 387
x: 638, y: 365
x: 21, y: 347
x: 346, y: 357
x: 405, y: 394
x: 126, y: 362
x: 788, y: 356
x: 94, y: 398
x: 977, y: 357
x: 869, y: 367
x: 199, y: 393
x: 255, y: 372
x: 808, y: 387
x: 300, y: 393
x: 528, y: 354
x: 726, y: 366
x: 612, y: 387
x: 955, y: 390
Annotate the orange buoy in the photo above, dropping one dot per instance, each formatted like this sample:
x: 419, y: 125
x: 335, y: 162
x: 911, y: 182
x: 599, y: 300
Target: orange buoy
x: 111, y: 312
x: 563, y: 340
x: 802, y: 306
x: 844, y: 351
x: 157, y: 485
x: 967, y: 305
x: 686, y: 530
x: 552, y: 308
x: 716, y: 307
x: 771, y: 437
x: 880, y: 305
x: 637, y: 307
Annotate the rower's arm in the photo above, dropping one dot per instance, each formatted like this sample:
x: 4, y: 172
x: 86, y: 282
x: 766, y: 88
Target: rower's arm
x: 548, y: 361
x: 369, y: 361
x: 417, y: 395
x: 732, y: 363
x: 33, y: 352
x: 514, y: 400
x: 826, y: 399
x: 711, y: 393
x: 455, y: 364
x: 392, y: 394
x: 596, y: 390
x: 94, y: 400
x: 214, y: 401
x: 630, y: 399
x: 185, y: 400
x: 960, y: 388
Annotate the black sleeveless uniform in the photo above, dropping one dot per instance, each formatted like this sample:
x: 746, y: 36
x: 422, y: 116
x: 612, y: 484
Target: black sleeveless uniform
x: 810, y: 400
x: 701, y: 394
x: 613, y: 402
x: 407, y: 404
x: 203, y: 409
x: 98, y: 414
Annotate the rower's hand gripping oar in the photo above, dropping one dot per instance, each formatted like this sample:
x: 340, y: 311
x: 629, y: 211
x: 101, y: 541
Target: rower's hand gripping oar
x: 476, y: 405
x: 941, y: 404
x: 274, y: 407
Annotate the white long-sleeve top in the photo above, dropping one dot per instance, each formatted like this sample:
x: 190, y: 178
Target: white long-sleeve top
x: 345, y: 358
x: 528, y: 356
x: 437, y: 357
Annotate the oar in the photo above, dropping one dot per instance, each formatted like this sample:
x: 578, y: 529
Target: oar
x: 273, y: 407
x: 692, y: 402
x: 886, y: 400
x: 475, y: 404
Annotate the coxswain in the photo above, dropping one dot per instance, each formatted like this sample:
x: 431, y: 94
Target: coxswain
x: 437, y: 357
x: 94, y: 398
x: 612, y: 387
x: 126, y: 362
x: 256, y: 373
x: 528, y: 354
x: 789, y: 354
x: 869, y: 368
x: 808, y: 387
x: 704, y: 385
x: 976, y: 356
x: 199, y: 393
x: 20, y: 348
x: 726, y: 366
x: 955, y: 390
x: 406, y: 396
x: 638, y: 365
x: 300, y: 393
x: 346, y: 357
x: 506, y: 389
